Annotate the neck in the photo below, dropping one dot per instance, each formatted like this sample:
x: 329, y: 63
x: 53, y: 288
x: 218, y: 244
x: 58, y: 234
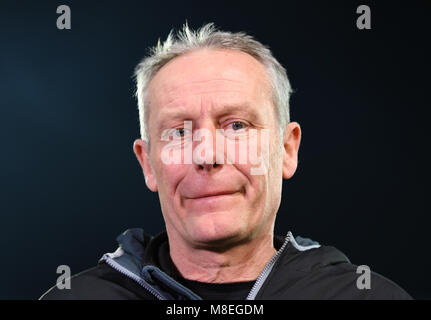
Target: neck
x: 243, y: 262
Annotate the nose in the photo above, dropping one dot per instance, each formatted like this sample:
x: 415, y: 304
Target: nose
x: 206, y: 158
x: 208, y: 167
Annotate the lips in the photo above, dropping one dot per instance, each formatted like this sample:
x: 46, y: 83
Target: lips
x: 212, y: 194
x: 206, y: 202
x: 214, y: 200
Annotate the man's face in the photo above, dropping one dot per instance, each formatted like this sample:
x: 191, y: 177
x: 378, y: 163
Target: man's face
x: 210, y: 203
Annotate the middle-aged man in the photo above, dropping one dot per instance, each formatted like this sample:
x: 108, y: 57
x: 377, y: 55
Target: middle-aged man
x: 206, y: 98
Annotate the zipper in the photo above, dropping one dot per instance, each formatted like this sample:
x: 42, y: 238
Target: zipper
x: 251, y: 296
x: 265, y: 272
x: 171, y: 283
x: 133, y: 276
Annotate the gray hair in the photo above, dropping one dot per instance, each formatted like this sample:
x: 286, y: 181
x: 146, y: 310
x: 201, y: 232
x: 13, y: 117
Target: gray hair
x: 208, y: 36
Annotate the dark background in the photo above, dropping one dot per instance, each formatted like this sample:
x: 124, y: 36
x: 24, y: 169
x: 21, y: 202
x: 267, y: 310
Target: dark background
x: 70, y: 182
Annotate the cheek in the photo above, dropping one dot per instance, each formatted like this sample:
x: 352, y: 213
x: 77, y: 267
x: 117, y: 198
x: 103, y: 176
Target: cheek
x: 169, y: 176
x: 252, y: 154
x: 263, y: 169
x: 256, y: 185
x: 168, y: 179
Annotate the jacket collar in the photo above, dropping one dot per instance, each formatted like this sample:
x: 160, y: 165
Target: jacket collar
x: 146, y: 259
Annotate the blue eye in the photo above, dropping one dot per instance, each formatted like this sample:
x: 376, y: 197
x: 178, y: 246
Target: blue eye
x: 179, y: 132
x: 237, y: 125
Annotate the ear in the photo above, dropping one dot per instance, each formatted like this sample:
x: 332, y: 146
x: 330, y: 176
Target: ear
x: 291, y: 141
x: 141, y: 151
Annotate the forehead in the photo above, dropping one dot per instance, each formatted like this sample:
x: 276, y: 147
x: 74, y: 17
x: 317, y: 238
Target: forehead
x: 228, y: 73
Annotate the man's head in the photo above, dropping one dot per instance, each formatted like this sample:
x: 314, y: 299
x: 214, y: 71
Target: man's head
x: 218, y: 81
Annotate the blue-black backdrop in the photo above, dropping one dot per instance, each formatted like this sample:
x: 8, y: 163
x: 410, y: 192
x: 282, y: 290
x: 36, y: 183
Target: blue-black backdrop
x: 69, y: 182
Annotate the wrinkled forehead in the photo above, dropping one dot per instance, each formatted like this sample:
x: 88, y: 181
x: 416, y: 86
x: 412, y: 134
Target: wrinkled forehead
x: 207, y: 71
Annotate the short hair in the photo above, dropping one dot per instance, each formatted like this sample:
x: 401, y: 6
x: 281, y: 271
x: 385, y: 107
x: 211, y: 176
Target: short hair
x: 187, y: 40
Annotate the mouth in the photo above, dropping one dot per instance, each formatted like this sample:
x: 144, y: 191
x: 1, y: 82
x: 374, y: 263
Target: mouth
x: 213, y: 201
x: 214, y: 195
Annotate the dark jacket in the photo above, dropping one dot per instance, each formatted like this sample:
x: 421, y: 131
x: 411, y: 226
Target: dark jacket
x: 141, y: 268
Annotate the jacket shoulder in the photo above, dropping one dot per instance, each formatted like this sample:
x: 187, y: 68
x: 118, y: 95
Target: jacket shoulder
x: 345, y: 280
x: 326, y: 273
x: 98, y: 283
x: 368, y: 284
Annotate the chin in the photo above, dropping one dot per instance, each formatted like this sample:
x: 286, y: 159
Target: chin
x: 215, y: 229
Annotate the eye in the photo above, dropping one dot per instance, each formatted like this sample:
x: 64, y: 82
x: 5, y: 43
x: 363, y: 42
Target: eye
x: 237, y: 125
x: 179, y: 132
